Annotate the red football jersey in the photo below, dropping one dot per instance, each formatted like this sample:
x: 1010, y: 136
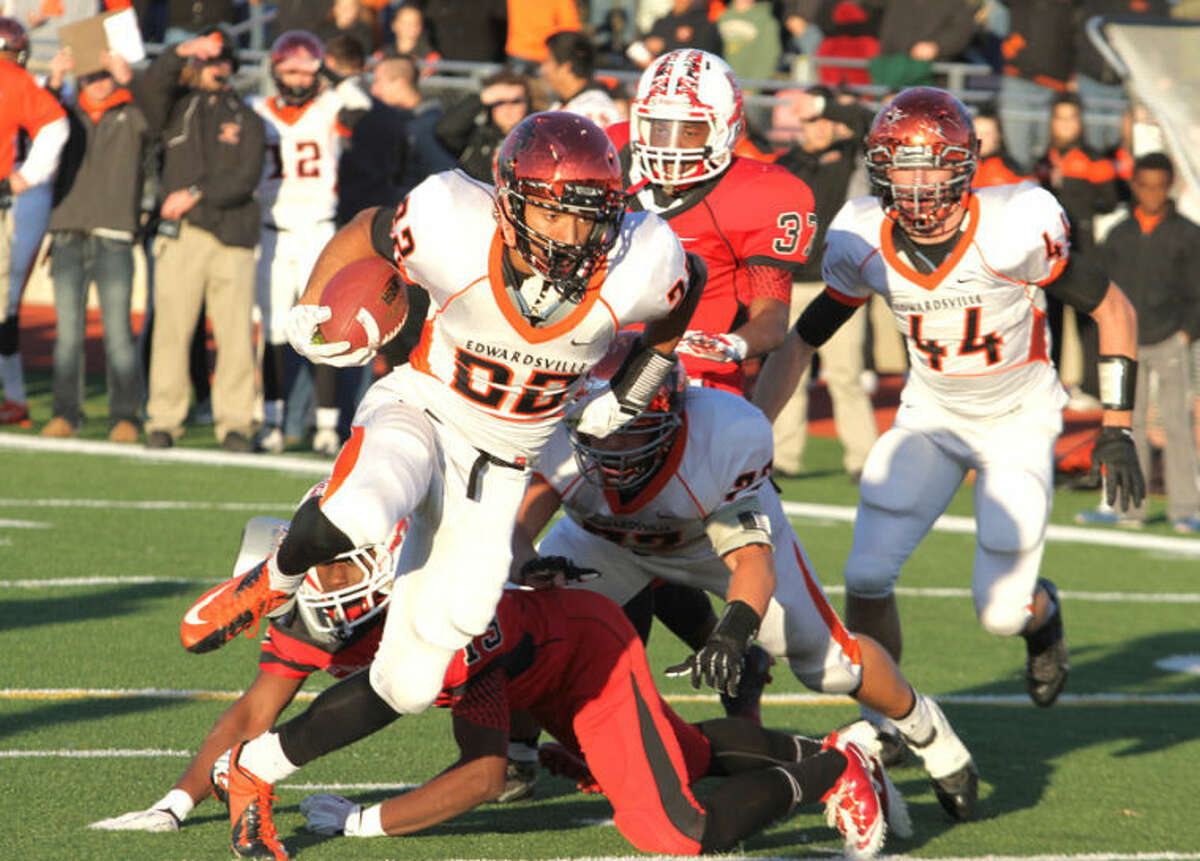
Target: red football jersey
x: 520, y: 643
x: 754, y: 214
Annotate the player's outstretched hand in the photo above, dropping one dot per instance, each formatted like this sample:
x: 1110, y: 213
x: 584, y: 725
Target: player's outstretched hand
x: 718, y: 665
x: 330, y: 814
x: 152, y: 819
x: 1117, y: 456
x: 302, y: 333
x: 545, y: 572
x: 716, y: 347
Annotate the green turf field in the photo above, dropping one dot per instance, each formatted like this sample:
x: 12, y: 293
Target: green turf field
x: 1111, y: 769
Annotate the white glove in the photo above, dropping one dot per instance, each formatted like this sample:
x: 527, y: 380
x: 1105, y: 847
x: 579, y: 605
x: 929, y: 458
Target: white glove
x: 716, y: 347
x: 153, y: 819
x: 302, y: 323
x: 600, y: 415
x: 330, y: 814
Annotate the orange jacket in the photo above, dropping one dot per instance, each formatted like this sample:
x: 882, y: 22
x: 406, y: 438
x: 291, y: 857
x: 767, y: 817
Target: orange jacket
x: 531, y: 22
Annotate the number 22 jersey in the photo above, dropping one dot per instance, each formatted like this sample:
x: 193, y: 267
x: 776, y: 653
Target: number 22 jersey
x: 502, y: 383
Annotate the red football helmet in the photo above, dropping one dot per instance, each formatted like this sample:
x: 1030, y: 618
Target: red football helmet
x: 563, y: 162
x: 924, y: 129
x: 14, y: 38
x: 297, y: 51
x: 627, y: 458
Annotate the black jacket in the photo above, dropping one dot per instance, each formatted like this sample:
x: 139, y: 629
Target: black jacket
x: 467, y: 132
x: 213, y: 141
x: 371, y: 167
x: 949, y: 23
x: 1158, y: 271
x: 828, y: 174
x: 99, y: 181
x: 1041, y: 41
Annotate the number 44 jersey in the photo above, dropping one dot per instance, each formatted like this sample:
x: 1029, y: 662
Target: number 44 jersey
x: 975, y: 327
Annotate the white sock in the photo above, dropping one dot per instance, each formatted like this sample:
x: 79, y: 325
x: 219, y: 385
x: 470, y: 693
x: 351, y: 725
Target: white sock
x: 264, y: 758
x: 273, y: 413
x: 279, y: 581
x: 178, y: 802
x: 12, y: 378
x: 327, y: 417
x: 917, y: 725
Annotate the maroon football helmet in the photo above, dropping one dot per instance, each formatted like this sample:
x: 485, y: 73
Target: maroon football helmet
x: 627, y: 458
x: 297, y: 50
x: 922, y: 128
x: 14, y: 38
x: 563, y: 162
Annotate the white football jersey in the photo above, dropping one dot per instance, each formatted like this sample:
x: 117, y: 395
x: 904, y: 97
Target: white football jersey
x: 978, y: 341
x: 593, y: 102
x: 299, y: 181
x: 703, y: 472
x: 480, y: 366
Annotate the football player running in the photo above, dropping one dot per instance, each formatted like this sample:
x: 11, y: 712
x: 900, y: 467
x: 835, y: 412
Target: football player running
x: 751, y: 222
x: 965, y: 274
x: 520, y: 311
x: 334, y: 625
x: 298, y: 191
x: 668, y: 498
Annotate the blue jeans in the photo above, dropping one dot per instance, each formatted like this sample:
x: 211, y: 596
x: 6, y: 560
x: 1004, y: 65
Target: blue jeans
x: 77, y: 259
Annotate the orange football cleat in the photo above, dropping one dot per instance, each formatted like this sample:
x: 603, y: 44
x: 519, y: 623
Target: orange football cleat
x: 229, y: 608
x: 250, y: 815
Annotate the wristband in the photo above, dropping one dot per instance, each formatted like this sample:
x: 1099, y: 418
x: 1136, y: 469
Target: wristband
x: 639, y: 377
x: 365, y: 822
x: 1118, y: 382
x: 738, y: 623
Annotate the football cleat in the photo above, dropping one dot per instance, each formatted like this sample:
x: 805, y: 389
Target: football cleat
x: 853, y: 807
x: 756, y: 675
x: 15, y: 413
x: 519, y: 780
x: 951, y: 770
x: 218, y: 778
x: 270, y: 439
x: 869, y: 741
x: 1046, y: 662
x: 561, y: 760
x: 958, y: 791
x: 229, y: 608
x: 252, y: 826
x: 154, y: 819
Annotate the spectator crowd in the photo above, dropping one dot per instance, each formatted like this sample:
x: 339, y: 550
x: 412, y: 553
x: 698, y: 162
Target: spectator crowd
x: 231, y: 197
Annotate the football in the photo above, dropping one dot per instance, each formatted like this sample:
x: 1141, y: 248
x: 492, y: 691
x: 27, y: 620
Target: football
x: 368, y: 304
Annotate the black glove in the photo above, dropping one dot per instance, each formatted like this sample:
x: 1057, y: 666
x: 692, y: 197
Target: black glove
x: 719, y: 663
x: 6, y: 195
x: 542, y: 572
x: 1116, y: 455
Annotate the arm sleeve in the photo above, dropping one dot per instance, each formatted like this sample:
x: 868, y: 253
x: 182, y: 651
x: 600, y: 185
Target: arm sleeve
x: 234, y: 188
x: 823, y: 316
x: 1048, y: 232
x: 845, y: 257
x: 1081, y: 283
x: 44, y: 153
x: 485, y: 701
x: 155, y: 89
x: 776, y: 224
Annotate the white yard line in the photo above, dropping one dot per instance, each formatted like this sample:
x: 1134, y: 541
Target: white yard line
x: 140, y: 505
x: 275, y: 462
x: 1054, y: 532
x: 903, y: 591
x: 22, y: 524
x: 778, y: 699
